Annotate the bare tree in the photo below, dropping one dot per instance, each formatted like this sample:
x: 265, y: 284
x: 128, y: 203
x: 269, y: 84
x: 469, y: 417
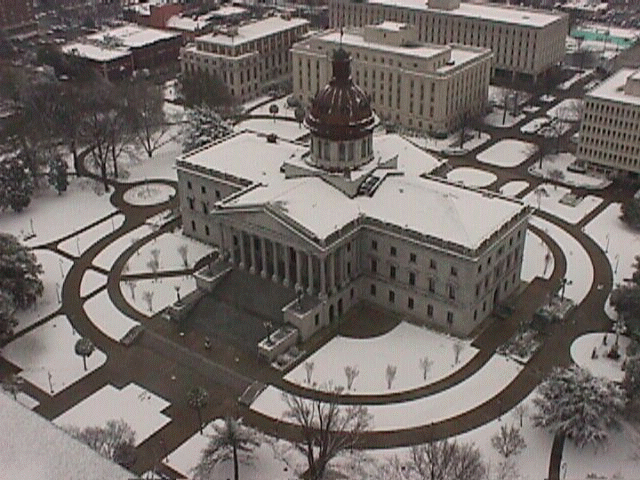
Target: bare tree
x: 508, y: 441
x: 131, y: 284
x: 155, y: 255
x: 115, y: 441
x: 458, y: 347
x: 520, y: 412
x: 390, y: 375
x: 425, y: 366
x: 183, y: 251
x: 12, y: 384
x: 351, y: 372
x: 308, y: 368
x: 556, y: 175
x: 327, y: 428
x: 446, y: 460
x: 147, y: 296
x: 198, y: 398
x: 154, y: 267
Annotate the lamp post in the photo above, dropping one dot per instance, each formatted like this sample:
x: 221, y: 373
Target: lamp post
x: 564, y: 282
x: 606, y: 248
x: 617, y: 257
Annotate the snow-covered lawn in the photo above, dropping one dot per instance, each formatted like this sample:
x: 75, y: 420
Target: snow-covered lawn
x: 55, y: 269
x: 107, y: 318
x: 471, y: 177
x: 170, y: 259
x: 558, y: 129
x: 568, y: 110
x: 451, y: 144
x: 494, y: 376
x: 549, y: 201
x: 402, y: 347
x: 560, y: 162
x: 284, y: 129
x: 494, y: 118
x: 111, y: 252
x: 138, y: 407
x: 91, y: 280
x: 80, y: 204
x: 265, y: 462
x: 163, y: 292
x: 47, y: 357
x: 252, y: 103
x: 582, y: 350
x: 507, y: 153
x: 579, y: 266
x: 514, y: 187
x: 79, y: 243
x: 534, y: 125
x: 149, y: 194
x: 533, y: 260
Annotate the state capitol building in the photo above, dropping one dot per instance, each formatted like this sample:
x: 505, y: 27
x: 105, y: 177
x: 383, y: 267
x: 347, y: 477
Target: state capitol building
x: 353, y: 217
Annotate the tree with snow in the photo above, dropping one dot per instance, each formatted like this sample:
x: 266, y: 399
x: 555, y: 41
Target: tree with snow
x: 147, y: 296
x: 183, y: 251
x: 508, y: 441
x: 631, y: 386
x: 16, y: 183
x: 630, y: 213
x: 445, y: 460
x: 390, y: 375
x: 351, y: 372
x: 308, y: 369
x: 203, y: 125
x: 203, y: 88
x: 7, y: 311
x: 58, y: 176
x: 582, y: 406
x: 198, y: 398
x: 228, y: 441
x: 84, y: 348
x: 273, y: 110
x: 425, y: 366
x: 12, y: 384
x: 556, y: 175
x: 458, y: 347
x: 520, y: 412
x: 625, y: 299
x: 327, y: 428
x: 19, y: 272
x: 115, y: 440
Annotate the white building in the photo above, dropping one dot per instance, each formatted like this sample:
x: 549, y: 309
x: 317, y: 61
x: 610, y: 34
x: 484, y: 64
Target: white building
x: 250, y: 58
x: 524, y: 41
x: 354, y: 218
x: 610, y: 129
x: 427, y: 87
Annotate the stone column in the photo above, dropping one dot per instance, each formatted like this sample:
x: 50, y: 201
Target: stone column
x: 298, y: 269
x: 310, y: 273
x: 287, y: 265
x: 323, y: 278
x: 275, y: 277
x: 332, y: 272
x: 252, y: 250
x: 263, y: 247
x: 243, y: 259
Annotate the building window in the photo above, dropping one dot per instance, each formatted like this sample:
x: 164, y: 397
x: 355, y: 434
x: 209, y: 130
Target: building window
x: 412, y: 278
x: 218, y: 196
x: 374, y: 265
x: 206, y: 230
x: 374, y: 245
x: 432, y: 264
x: 475, y: 315
x: 412, y: 257
x: 205, y: 209
x: 452, y: 292
x: 432, y: 285
x: 410, y: 303
x: 193, y: 225
x: 454, y: 271
x: 393, y: 252
x: 392, y: 296
x: 351, y: 293
x: 430, y: 311
x: 190, y: 200
x: 189, y: 185
x: 450, y: 318
x: 392, y: 272
x: 203, y: 189
x: 372, y: 289
x: 317, y: 319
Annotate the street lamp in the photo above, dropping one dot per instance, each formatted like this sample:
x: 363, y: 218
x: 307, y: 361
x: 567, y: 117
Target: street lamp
x: 564, y: 282
x: 606, y: 248
x: 615, y: 270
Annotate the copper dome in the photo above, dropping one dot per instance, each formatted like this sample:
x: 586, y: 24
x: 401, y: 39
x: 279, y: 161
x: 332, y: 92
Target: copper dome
x: 341, y: 110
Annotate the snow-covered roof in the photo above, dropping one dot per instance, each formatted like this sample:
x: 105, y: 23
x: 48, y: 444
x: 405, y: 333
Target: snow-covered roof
x: 612, y: 89
x: 494, y: 13
x: 254, y: 30
x: 95, y: 52
x: 36, y: 449
x: 189, y: 24
x: 227, y: 11
x: 132, y: 36
x: 391, y: 26
x: 144, y: 8
x: 405, y: 198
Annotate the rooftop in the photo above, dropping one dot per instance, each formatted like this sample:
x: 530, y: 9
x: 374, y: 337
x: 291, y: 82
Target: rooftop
x: 495, y: 13
x: 612, y: 88
x: 36, y: 449
x: 131, y: 36
x: 96, y: 53
x: 254, y: 30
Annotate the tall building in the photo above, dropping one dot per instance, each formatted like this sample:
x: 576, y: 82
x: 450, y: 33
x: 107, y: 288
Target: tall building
x: 17, y: 17
x: 426, y: 87
x: 610, y: 130
x: 353, y: 218
x: 524, y: 41
x: 248, y: 58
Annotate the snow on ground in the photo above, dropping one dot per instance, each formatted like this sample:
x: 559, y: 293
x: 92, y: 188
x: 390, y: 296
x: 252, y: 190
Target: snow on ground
x: 284, y: 110
x: 619, y: 460
x: 403, y: 347
x: 582, y: 350
x: 553, y: 131
x: 47, y: 357
x: 107, y: 318
x: 79, y: 243
x: 471, y: 177
x: 256, y: 101
x: 91, y: 281
x: 507, y: 153
x: 283, y: 128
x: 170, y: 259
x: 80, y: 204
x: 496, y: 95
x: 513, y: 188
x: 136, y: 406
x: 472, y: 392
x: 560, y: 162
x: 263, y: 463
x: 27, y: 400
x: 569, y: 110
x: 533, y: 261
x: 111, y: 252
x: 494, y: 119
x: 579, y: 266
x: 534, y: 125
x: 149, y: 194
x: 566, y: 85
x: 547, y: 98
x: 163, y: 291
x: 451, y: 144
x: 55, y: 269
x: 549, y: 200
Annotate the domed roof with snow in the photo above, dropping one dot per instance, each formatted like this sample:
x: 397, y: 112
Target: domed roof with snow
x: 341, y: 110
